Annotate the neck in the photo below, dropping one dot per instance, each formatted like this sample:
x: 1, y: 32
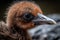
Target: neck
x: 22, y: 34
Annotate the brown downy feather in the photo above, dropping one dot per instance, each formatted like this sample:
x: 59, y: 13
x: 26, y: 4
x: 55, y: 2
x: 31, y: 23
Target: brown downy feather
x: 15, y: 28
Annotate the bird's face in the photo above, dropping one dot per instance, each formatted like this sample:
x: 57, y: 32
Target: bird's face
x: 27, y: 15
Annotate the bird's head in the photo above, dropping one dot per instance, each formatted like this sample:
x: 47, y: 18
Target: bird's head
x: 26, y: 15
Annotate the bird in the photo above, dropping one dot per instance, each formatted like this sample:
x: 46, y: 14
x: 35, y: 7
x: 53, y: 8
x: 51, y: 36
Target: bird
x: 21, y: 17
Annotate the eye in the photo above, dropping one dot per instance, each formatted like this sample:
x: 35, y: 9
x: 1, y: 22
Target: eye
x: 28, y: 17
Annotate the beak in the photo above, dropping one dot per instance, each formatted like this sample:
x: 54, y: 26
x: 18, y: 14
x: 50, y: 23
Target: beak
x: 42, y: 19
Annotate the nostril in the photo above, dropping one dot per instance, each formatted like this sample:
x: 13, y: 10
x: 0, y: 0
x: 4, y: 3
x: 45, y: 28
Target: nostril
x: 36, y: 23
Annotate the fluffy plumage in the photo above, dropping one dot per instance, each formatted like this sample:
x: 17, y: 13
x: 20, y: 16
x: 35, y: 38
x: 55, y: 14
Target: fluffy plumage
x: 19, y: 9
x: 15, y: 28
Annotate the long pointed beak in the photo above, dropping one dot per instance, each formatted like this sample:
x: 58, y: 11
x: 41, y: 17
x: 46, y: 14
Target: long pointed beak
x: 42, y: 19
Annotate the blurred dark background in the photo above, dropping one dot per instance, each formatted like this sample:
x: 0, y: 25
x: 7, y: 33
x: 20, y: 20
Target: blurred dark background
x: 47, y: 6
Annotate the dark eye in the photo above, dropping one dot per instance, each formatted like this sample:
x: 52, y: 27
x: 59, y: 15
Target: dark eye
x: 28, y: 17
